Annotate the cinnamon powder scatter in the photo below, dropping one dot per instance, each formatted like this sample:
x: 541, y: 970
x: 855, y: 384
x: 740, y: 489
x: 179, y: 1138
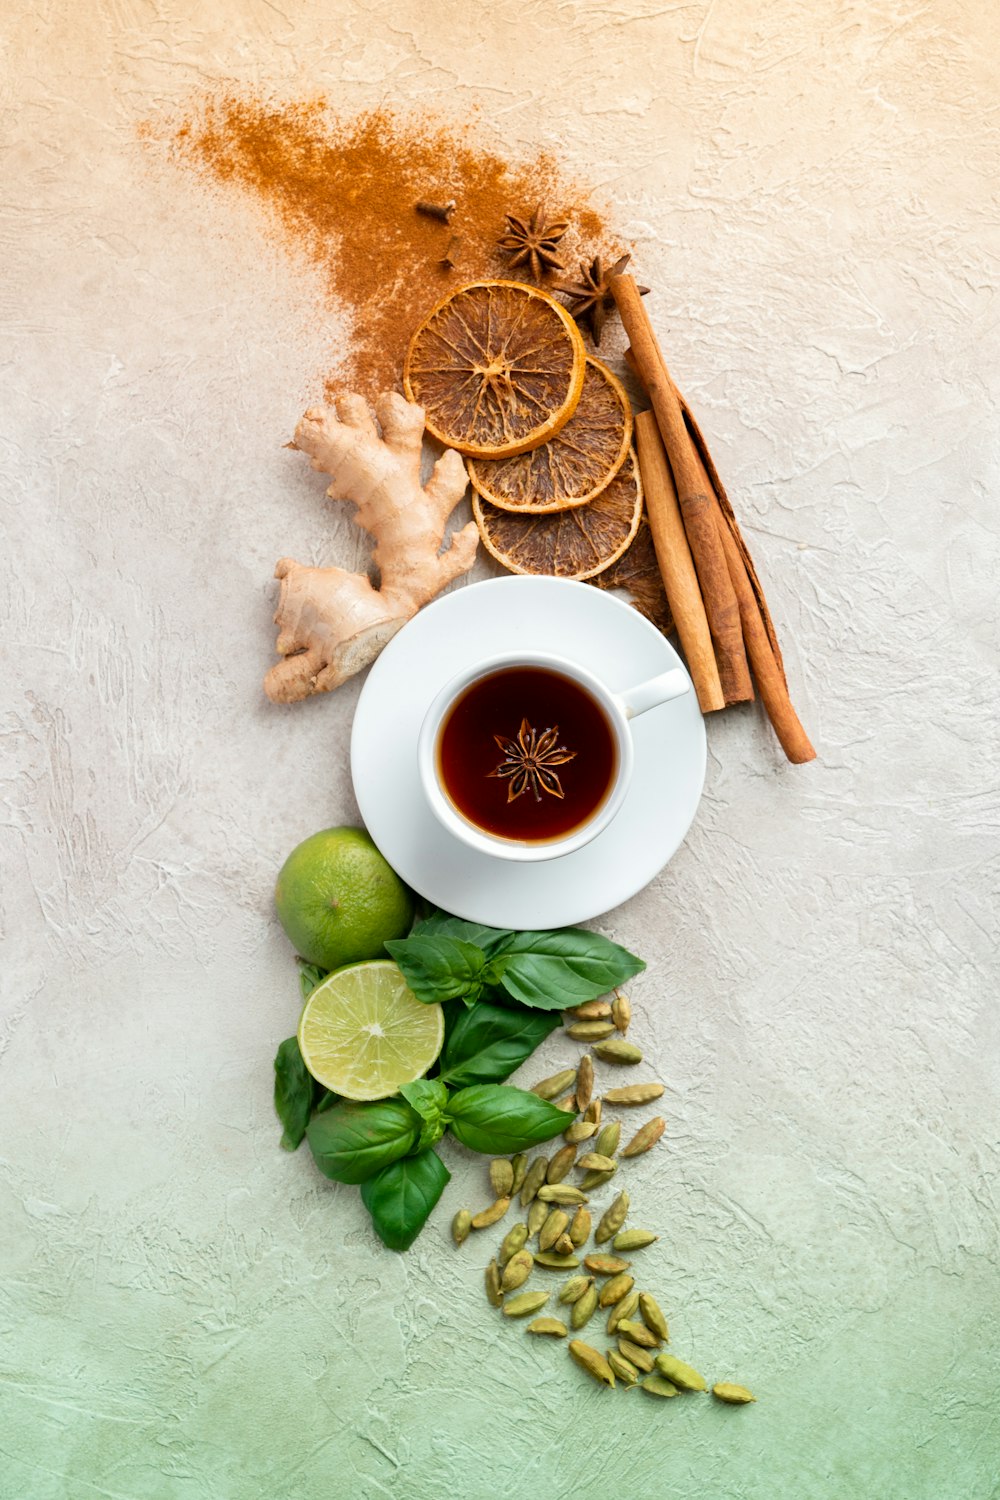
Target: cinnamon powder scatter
x: 343, y: 191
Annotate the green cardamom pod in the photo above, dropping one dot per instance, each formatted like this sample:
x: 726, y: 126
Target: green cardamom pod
x: 590, y: 1031
x: 584, y: 1307
x: 564, y: 1245
x: 638, y: 1333
x: 621, y: 1011
x: 634, y: 1239
x: 519, y: 1166
x: 516, y: 1271
x: 514, y: 1240
x: 681, y: 1374
x: 615, y: 1289
x: 590, y: 1010
x: 655, y: 1385
x: 537, y: 1214
x: 584, y: 1081
x: 533, y: 1179
x: 594, y: 1180
x: 494, y: 1295
x: 592, y: 1361
x: 618, y: 1052
x: 524, y: 1304
x: 561, y: 1192
x: 592, y: 1114
x: 549, y: 1088
x: 491, y: 1215
x: 622, y: 1310
x: 560, y: 1164
x: 612, y: 1219
x: 733, y: 1395
x: 605, y: 1265
x: 579, y: 1131
x: 461, y: 1225
x: 623, y: 1368
x: 646, y: 1137
x: 579, y: 1227
x: 554, y: 1327
x: 575, y: 1288
x: 592, y: 1162
x: 608, y: 1138
x: 501, y: 1177
x: 553, y: 1227
x: 549, y: 1260
x: 649, y: 1311
x: 635, y: 1093
x: 641, y: 1358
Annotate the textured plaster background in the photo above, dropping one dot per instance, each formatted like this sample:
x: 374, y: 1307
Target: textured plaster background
x: 186, y: 1312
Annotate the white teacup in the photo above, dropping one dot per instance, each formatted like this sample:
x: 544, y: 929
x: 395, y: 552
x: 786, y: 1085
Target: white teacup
x: 618, y: 709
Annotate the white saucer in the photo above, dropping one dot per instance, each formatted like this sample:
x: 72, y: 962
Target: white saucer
x: 476, y: 622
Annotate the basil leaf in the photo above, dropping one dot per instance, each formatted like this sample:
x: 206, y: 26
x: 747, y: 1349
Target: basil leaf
x: 487, y: 1043
x: 496, y: 1119
x: 401, y: 1197
x: 553, y: 970
x: 293, y: 1093
x: 429, y: 1097
x: 439, y: 968
x: 351, y: 1141
x: 440, y: 924
x: 310, y: 976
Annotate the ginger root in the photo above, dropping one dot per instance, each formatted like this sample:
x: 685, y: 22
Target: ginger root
x: 332, y: 623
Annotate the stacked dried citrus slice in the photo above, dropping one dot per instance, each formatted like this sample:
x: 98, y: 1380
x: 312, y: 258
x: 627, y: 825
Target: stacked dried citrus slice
x: 500, y: 370
x: 574, y: 465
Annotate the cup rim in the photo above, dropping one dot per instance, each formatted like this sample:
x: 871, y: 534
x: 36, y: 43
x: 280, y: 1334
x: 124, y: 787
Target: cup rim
x: 496, y: 845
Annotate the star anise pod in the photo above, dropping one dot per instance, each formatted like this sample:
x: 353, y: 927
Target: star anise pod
x: 590, y: 297
x: 529, y: 759
x: 533, y: 242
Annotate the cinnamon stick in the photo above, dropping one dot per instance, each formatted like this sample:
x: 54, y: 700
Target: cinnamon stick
x: 680, y: 581
x: 729, y: 517
x: 765, y: 659
x: 728, y: 514
x: 766, y: 670
x: 693, y: 495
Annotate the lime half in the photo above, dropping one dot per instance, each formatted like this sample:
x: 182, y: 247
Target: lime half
x: 363, y: 1032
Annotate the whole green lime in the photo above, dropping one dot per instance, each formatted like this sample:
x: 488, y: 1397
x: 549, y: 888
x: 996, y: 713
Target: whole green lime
x: 339, y: 900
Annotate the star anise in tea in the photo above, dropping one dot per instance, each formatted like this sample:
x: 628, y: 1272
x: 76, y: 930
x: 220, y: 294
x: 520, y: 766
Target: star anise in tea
x: 533, y: 242
x: 528, y: 762
x: 590, y: 297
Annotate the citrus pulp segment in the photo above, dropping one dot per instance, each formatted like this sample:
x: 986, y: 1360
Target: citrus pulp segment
x: 363, y: 1032
x: 577, y: 543
x: 574, y: 465
x: 497, y: 367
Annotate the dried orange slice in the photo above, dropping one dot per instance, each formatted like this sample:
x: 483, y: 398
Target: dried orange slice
x: 577, y: 543
x: 571, y: 467
x: 498, y: 368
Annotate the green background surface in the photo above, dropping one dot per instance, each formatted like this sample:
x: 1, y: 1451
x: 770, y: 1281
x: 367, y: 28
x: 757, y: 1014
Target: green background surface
x: 188, y: 1313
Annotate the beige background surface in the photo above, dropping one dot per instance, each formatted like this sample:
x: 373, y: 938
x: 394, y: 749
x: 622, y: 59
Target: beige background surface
x: 187, y: 1313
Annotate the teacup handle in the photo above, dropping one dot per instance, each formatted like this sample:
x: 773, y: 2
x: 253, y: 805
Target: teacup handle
x: 657, y: 690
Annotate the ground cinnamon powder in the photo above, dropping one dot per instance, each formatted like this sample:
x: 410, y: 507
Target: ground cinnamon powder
x: 343, y: 191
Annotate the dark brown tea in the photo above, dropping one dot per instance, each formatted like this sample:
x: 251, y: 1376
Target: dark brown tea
x: 526, y: 753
